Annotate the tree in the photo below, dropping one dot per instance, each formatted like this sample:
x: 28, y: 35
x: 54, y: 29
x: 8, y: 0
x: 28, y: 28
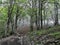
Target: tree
x: 17, y: 14
x: 56, y: 12
x: 9, y: 14
x: 31, y: 20
x: 40, y: 12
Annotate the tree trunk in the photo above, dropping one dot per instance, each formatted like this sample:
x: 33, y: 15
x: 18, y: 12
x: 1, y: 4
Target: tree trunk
x: 17, y: 14
x: 40, y: 12
x: 9, y: 16
x: 31, y: 20
x: 56, y: 12
x: 44, y: 16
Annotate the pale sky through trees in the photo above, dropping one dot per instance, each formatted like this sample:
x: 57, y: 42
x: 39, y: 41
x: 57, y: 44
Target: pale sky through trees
x: 3, y: 0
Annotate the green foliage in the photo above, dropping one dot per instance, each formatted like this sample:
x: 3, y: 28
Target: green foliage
x: 51, y: 0
x: 3, y: 13
x: 22, y: 1
x: 2, y: 33
x: 0, y: 1
x: 55, y: 32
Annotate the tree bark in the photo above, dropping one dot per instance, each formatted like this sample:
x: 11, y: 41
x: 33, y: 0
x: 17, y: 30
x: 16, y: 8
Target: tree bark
x: 40, y: 12
x: 56, y: 12
x: 17, y: 14
x: 9, y: 15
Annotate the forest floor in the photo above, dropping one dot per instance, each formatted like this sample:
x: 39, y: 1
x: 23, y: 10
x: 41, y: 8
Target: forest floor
x: 45, y: 36
x: 50, y: 35
x: 54, y: 31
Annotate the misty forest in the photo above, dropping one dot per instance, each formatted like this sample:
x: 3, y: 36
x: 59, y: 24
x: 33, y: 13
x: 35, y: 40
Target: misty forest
x: 29, y: 22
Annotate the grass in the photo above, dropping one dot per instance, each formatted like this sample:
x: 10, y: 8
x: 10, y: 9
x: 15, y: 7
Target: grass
x: 54, y: 31
x: 56, y: 34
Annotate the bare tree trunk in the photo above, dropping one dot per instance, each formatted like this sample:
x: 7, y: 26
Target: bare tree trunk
x: 31, y: 21
x: 17, y: 14
x: 40, y: 12
x: 36, y: 15
x: 41, y: 17
x: 44, y: 16
x: 56, y: 12
x: 9, y: 16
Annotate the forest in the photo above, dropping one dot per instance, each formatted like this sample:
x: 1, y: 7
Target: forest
x: 29, y: 22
